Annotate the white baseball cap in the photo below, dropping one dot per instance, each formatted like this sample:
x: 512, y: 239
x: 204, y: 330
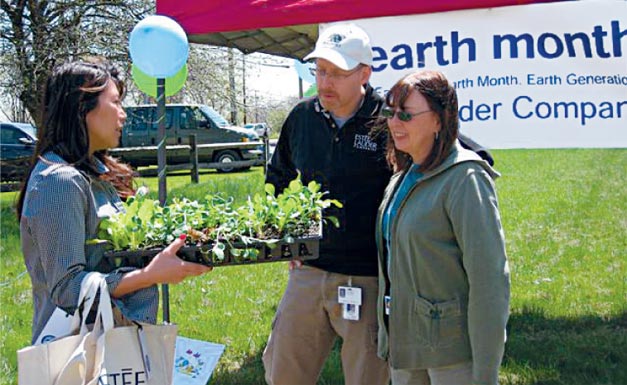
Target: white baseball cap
x: 345, y: 45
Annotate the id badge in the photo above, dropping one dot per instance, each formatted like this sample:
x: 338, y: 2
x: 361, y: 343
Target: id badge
x: 349, y: 295
x: 386, y: 304
x: 350, y: 312
x: 350, y: 298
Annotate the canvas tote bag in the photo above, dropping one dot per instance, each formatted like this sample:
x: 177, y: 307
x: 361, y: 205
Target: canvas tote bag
x: 60, y: 323
x: 107, y: 354
x: 41, y: 363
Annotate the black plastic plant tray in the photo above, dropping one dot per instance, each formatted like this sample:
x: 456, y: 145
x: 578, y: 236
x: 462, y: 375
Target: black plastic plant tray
x: 300, y: 248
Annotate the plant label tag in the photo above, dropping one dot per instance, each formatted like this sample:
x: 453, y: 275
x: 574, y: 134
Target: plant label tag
x: 349, y: 295
x: 350, y: 312
x: 386, y: 304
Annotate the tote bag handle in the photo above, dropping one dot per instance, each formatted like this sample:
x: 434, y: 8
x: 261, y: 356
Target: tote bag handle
x: 76, y: 365
x: 86, y: 298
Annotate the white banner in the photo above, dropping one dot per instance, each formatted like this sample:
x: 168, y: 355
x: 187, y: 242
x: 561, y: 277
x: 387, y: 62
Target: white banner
x: 530, y: 76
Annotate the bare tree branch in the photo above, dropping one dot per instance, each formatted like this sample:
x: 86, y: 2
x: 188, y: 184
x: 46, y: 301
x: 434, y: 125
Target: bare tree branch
x: 36, y: 35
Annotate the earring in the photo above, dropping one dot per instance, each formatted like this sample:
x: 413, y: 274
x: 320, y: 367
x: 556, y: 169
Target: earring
x: 437, y: 135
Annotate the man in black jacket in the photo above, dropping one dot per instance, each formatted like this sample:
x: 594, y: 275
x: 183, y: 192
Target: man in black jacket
x: 328, y: 139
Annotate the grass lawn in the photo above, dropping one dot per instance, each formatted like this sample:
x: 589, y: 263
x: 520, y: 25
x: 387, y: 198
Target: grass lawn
x: 565, y: 219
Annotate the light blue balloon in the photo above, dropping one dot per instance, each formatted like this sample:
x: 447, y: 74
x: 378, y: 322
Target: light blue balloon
x: 158, y: 46
x: 303, y: 70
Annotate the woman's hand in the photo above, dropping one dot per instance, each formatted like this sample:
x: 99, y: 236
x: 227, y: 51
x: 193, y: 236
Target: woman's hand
x: 295, y: 264
x: 166, y: 267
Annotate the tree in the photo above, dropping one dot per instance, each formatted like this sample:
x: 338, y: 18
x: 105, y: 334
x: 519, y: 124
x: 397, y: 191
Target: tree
x: 208, y: 80
x: 37, y: 35
x: 262, y: 105
x: 276, y: 114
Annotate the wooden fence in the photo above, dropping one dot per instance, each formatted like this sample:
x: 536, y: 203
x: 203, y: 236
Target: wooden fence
x: 195, y: 150
x: 12, y: 184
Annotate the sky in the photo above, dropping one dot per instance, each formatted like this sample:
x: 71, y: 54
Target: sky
x: 276, y: 78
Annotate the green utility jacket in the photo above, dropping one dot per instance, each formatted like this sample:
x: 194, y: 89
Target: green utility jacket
x: 448, y: 276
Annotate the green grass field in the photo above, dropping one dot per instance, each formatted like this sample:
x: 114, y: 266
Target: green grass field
x: 565, y: 218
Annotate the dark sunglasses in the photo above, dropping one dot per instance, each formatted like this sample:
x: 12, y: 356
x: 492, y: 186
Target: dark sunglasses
x: 403, y: 116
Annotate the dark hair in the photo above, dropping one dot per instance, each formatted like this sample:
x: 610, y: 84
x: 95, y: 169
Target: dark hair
x: 442, y: 99
x: 71, y: 91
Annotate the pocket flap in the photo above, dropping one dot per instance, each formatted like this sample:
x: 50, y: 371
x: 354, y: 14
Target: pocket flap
x: 439, y: 309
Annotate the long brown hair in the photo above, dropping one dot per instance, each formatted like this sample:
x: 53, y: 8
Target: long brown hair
x: 72, y: 90
x: 442, y: 99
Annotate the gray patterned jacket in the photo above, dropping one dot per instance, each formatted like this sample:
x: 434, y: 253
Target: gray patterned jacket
x: 62, y: 209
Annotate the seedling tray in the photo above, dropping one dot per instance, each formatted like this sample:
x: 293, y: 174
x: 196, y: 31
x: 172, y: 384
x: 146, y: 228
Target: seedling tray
x: 283, y: 250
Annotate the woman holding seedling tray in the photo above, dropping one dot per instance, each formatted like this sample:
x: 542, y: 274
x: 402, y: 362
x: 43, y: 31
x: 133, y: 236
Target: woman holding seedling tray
x: 68, y: 193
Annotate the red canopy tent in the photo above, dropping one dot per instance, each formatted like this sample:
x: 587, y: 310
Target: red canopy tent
x: 289, y: 28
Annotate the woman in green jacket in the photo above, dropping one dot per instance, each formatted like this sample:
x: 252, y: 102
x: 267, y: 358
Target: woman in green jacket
x: 443, y: 273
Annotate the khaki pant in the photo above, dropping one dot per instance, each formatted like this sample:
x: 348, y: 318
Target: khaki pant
x: 307, y: 322
x: 458, y: 374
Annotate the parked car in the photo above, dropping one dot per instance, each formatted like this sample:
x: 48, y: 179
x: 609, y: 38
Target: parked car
x: 260, y: 128
x: 17, y: 145
x: 182, y: 120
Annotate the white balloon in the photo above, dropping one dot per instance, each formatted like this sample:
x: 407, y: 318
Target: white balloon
x: 158, y: 46
x: 304, y: 71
